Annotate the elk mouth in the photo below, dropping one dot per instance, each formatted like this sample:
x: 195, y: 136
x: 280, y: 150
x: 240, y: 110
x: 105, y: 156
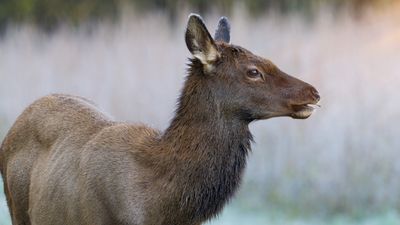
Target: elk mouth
x: 303, y: 111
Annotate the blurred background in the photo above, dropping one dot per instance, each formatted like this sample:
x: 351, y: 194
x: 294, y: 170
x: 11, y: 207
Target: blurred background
x: 339, y: 167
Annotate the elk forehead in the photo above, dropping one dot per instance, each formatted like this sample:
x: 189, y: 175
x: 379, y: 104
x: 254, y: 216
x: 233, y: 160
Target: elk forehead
x: 246, y: 57
x: 231, y: 48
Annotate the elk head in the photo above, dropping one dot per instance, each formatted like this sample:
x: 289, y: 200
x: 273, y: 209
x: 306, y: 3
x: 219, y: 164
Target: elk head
x: 244, y: 85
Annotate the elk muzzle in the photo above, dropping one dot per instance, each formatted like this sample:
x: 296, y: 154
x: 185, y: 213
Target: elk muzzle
x: 305, y: 108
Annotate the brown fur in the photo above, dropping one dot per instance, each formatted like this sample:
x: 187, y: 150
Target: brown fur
x: 64, y: 162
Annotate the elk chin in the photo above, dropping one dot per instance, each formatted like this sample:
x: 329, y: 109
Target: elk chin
x: 302, y: 111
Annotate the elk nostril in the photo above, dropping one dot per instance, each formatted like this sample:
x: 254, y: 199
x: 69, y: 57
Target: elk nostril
x: 315, y: 94
x: 317, y: 97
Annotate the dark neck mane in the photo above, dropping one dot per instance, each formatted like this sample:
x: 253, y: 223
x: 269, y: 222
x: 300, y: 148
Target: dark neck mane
x: 208, y: 150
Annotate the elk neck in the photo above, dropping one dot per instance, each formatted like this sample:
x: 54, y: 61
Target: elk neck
x: 207, y: 150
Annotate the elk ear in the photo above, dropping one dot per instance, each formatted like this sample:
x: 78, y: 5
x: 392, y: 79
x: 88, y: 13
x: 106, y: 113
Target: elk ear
x: 223, y: 31
x: 199, y: 41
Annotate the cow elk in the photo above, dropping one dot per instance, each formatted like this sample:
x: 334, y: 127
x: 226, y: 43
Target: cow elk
x: 64, y: 162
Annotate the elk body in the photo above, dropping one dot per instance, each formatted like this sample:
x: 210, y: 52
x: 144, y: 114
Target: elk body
x: 64, y: 162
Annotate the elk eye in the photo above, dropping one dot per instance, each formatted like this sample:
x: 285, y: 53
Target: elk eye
x: 254, y: 74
